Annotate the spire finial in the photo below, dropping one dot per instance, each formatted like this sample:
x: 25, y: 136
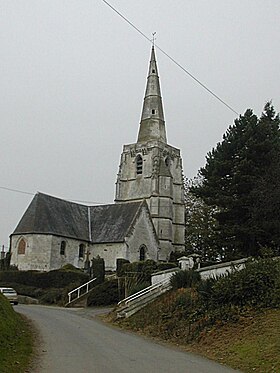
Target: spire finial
x: 153, y: 38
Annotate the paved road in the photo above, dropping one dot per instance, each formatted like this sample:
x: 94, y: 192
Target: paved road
x: 73, y: 341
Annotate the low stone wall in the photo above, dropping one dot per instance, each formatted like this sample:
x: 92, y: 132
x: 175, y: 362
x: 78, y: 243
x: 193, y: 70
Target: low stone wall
x: 220, y: 269
x: 163, y: 275
x: 215, y: 270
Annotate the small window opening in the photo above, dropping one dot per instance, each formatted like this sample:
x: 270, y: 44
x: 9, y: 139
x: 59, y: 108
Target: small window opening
x: 62, y: 247
x: 153, y: 71
x: 139, y: 165
x: 81, y: 251
x: 167, y: 161
x: 153, y: 111
x: 21, y: 247
x: 142, y: 253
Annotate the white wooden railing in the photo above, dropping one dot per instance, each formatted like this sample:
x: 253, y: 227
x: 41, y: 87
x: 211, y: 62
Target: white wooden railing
x: 80, y: 290
x: 158, y: 287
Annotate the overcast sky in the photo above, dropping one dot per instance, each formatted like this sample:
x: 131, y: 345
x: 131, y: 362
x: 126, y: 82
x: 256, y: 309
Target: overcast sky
x: 73, y: 76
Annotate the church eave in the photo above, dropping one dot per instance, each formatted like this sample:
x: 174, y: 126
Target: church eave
x: 50, y: 234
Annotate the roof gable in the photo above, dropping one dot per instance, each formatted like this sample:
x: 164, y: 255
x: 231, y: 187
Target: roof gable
x: 51, y: 215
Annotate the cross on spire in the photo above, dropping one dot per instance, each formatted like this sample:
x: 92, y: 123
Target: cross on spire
x: 153, y: 38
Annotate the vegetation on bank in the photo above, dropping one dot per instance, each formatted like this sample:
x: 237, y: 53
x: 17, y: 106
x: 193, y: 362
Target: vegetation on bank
x: 231, y: 307
x: 48, y: 287
x: 16, y: 340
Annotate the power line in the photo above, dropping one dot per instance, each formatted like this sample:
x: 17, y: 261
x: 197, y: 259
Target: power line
x: 68, y: 199
x: 171, y: 58
x: 17, y: 191
x: 33, y: 194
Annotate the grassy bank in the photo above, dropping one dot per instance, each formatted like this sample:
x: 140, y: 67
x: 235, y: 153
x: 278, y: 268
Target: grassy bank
x: 233, y: 319
x: 250, y: 344
x: 16, y: 340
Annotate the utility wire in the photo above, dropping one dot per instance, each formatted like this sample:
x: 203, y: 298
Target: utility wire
x: 71, y: 200
x: 171, y: 58
x: 17, y: 191
x: 33, y: 194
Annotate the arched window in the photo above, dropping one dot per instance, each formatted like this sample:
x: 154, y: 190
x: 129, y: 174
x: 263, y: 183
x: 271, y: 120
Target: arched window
x: 21, y: 247
x: 167, y: 161
x: 142, y: 253
x: 62, y: 247
x: 81, y: 251
x: 139, y: 164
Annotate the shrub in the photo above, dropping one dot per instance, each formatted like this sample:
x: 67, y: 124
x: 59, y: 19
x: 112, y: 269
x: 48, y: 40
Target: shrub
x: 104, y: 294
x: 165, y: 266
x: 184, y: 279
x: 205, y: 290
x: 175, y: 255
x: 183, y: 300
x: 53, y: 296
x: 138, y: 287
x: 141, y: 270
x: 53, y: 279
x: 257, y: 285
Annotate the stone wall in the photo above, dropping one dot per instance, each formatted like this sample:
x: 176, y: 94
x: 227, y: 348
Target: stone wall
x: 142, y: 235
x: 222, y: 268
x: 42, y: 252
x: 37, y: 252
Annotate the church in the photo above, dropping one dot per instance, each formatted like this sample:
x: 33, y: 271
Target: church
x: 147, y: 220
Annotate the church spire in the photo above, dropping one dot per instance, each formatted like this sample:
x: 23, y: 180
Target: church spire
x: 152, y: 126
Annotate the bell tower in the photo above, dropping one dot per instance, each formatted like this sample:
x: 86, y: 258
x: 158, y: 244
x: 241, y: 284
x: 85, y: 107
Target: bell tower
x: 151, y: 169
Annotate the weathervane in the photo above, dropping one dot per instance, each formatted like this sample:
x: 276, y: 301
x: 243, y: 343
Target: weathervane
x: 154, y: 38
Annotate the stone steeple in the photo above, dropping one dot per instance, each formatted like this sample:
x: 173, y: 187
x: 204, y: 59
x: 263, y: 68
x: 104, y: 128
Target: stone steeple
x: 151, y: 170
x: 152, y: 126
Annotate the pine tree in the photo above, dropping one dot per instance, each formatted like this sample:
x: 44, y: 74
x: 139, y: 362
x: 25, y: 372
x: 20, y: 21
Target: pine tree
x: 231, y: 178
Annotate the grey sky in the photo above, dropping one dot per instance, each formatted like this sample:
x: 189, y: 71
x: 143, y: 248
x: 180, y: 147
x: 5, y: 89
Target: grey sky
x: 73, y: 76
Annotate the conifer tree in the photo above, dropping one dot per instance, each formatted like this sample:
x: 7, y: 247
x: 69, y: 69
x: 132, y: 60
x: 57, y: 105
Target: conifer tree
x: 232, y: 177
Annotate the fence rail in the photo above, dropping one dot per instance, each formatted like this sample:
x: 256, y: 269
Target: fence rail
x: 79, y: 291
x: 143, y: 292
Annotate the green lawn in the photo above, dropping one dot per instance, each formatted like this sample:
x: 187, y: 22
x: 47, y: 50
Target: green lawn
x: 16, y: 340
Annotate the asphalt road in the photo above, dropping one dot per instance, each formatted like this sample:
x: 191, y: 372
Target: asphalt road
x: 73, y: 340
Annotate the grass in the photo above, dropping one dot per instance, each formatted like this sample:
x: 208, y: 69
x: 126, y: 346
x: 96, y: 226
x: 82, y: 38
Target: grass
x: 16, y: 340
x: 250, y: 344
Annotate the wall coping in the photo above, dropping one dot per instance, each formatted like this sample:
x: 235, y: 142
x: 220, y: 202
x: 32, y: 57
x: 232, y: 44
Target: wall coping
x: 222, y: 265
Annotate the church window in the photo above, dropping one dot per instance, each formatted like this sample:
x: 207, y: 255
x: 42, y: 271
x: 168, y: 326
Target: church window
x: 167, y: 161
x: 62, y: 247
x: 142, y: 253
x: 81, y: 251
x: 153, y: 111
x: 21, y: 247
x: 139, y: 164
x: 153, y: 71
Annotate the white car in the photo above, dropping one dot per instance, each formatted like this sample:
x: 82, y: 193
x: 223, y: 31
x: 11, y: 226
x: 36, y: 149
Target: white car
x: 10, y: 294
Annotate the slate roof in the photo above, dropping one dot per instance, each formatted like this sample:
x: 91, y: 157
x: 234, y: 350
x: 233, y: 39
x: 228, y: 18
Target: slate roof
x: 51, y: 215
x: 111, y: 223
